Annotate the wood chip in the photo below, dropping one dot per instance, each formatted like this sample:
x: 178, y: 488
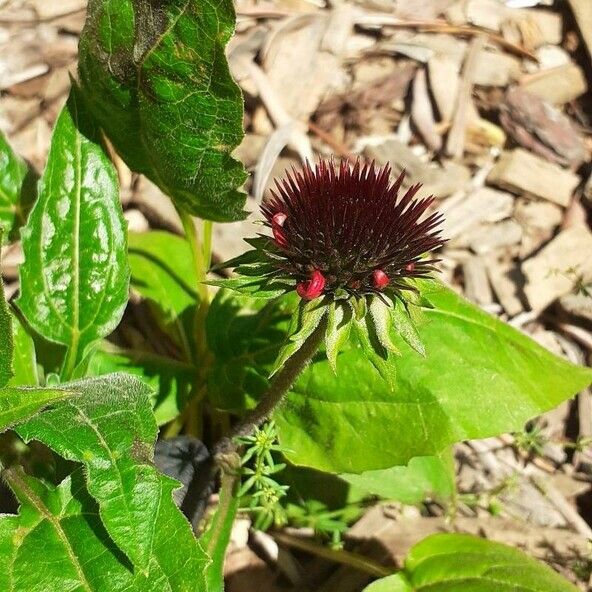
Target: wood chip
x: 558, y: 268
x: 557, y: 85
x: 506, y: 288
x: 496, y: 236
x: 495, y: 68
x: 422, y: 114
x: 582, y: 10
x: 522, y: 172
x: 483, y: 205
x: 538, y: 219
x: 477, y: 286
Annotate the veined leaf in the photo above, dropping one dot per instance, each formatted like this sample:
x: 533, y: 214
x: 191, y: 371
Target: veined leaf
x: 57, y: 541
x: 20, y: 403
x: 464, y: 563
x: 109, y: 427
x: 17, y: 188
x: 157, y: 80
x: 24, y: 359
x: 74, y: 282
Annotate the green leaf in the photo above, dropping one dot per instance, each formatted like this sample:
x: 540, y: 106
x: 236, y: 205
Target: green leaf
x: 394, y: 583
x: 110, y: 428
x: 170, y: 381
x: 162, y: 271
x: 464, y: 563
x: 404, y: 325
x: 305, y: 320
x: 17, y: 188
x: 6, y: 344
x: 423, y: 478
x: 74, y: 282
x: 158, y: 82
x: 24, y: 359
x: 20, y: 403
x: 339, y: 322
x: 255, y: 286
x: 380, y: 313
x: 57, y: 541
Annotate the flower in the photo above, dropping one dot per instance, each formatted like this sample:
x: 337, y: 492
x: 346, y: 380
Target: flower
x: 354, y: 247
x: 349, y: 229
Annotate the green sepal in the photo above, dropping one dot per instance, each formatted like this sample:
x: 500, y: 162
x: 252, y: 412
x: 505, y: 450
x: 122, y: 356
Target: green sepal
x: 376, y: 354
x: 339, y: 322
x: 255, y: 286
x: 402, y: 316
x: 380, y: 313
x: 305, y: 319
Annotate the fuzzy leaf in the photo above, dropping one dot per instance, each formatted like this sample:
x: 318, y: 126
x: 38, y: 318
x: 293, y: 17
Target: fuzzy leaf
x: 257, y: 287
x: 339, y: 322
x: 464, y: 563
x: 304, y: 321
x: 110, y: 429
x: 20, y: 403
x: 170, y: 381
x: 157, y: 80
x: 57, y: 542
x: 380, y: 313
x: 17, y: 189
x: 74, y: 282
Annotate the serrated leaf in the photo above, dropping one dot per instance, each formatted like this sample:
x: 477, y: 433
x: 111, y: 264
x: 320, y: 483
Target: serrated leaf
x: 339, y: 322
x: 158, y: 82
x: 404, y: 320
x: 110, y: 428
x: 74, y: 282
x: 20, y: 403
x: 465, y: 563
x: 255, y: 286
x: 162, y: 271
x: 423, y: 478
x: 6, y: 347
x: 305, y: 320
x: 170, y: 381
x: 17, y: 189
x: 57, y: 541
x: 24, y: 359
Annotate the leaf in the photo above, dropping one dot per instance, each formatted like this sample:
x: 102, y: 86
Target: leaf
x: 17, y: 189
x: 380, y: 313
x: 423, y: 478
x: 305, y: 320
x: 157, y: 80
x: 339, y: 322
x: 481, y: 378
x: 162, y: 271
x: 24, y: 359
x: 74, y: 282
x: 20, y: 403
x: 109, y: 428
x: 170, y: 381
x: 464, y: 563
x: 57, y: 541
x: 404, y: 325
x: 394, y: 583
x: 6, y: 344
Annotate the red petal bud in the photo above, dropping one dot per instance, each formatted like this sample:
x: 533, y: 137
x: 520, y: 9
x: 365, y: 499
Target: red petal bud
x: 410, y: 267
x: 313, y: 288
x: 379, y: 279
x: 279, y: 219
x: 279, y: 236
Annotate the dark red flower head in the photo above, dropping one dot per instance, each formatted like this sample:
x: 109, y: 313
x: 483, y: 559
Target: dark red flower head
x: 350, y: 228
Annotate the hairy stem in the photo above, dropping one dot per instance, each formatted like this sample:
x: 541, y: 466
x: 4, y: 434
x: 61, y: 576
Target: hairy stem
x: 280, y: 385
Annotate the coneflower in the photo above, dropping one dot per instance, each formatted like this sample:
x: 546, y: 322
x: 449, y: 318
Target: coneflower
x: 351, y: 243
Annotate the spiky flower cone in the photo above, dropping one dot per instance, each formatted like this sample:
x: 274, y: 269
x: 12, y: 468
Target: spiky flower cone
x: 350, y: 242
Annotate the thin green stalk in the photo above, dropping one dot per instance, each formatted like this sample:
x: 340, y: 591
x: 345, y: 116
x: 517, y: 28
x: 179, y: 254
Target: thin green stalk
x: 199, y: 261
x: 70, y: 361
x: 280, y: 385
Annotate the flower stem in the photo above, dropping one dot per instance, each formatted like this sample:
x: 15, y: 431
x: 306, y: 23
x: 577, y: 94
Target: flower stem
x: 280, y: 385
